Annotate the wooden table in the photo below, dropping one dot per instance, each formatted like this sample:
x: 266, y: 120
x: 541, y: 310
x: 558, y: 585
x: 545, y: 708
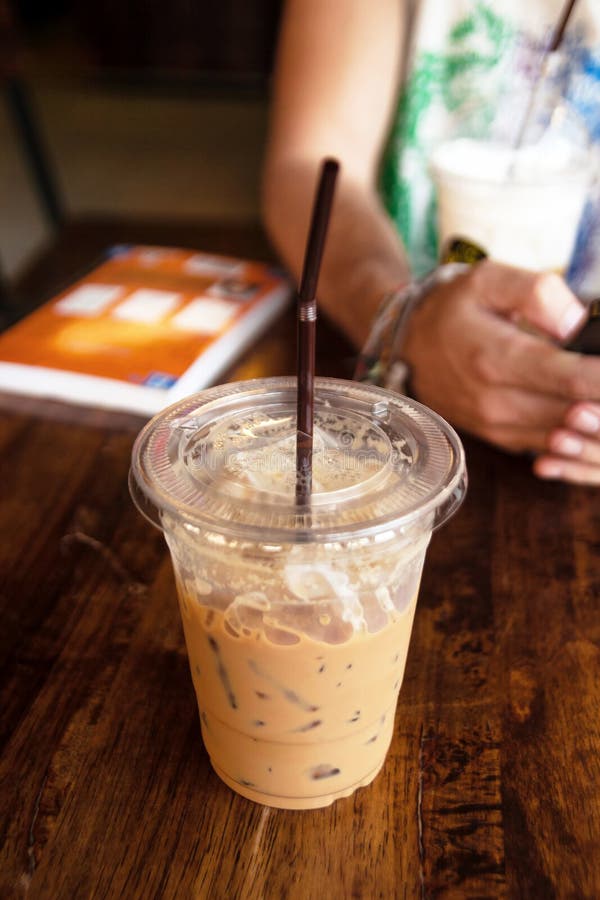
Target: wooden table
x: 492, y: 784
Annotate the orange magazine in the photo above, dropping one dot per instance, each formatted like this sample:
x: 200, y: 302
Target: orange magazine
x: 146, y: 326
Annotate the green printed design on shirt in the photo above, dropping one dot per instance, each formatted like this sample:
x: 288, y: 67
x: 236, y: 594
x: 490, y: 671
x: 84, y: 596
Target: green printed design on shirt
x: 444, y: 90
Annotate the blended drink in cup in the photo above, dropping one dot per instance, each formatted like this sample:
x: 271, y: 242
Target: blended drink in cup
x: 297, y: 619
x: 522, y: 207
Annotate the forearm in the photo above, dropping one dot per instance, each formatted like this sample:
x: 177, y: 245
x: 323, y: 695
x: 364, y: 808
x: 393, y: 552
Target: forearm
x: 364, y: 257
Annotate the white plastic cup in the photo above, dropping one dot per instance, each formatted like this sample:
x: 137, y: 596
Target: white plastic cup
x: 519, y: 208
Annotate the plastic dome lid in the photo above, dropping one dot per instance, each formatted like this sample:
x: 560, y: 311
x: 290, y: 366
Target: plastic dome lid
x: 224, y: 460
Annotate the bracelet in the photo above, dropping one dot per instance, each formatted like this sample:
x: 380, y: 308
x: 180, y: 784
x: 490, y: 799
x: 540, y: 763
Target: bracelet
x: 380, y: 361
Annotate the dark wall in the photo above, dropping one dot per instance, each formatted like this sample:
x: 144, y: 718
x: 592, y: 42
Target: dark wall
x: 235, y: 37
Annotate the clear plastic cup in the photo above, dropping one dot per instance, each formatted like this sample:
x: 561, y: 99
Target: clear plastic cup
x: 297, y: 620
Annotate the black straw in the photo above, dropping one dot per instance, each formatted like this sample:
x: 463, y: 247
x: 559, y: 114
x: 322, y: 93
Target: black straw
x: 307, y: 319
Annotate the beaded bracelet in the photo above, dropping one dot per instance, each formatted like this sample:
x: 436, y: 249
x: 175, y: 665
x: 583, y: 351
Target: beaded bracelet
x: 379, y: 361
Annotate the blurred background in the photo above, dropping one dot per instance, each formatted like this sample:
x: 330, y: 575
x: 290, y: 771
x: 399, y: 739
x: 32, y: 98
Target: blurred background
x: 142, y: 109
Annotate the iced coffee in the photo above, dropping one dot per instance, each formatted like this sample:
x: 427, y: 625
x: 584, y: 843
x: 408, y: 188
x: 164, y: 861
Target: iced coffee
x: 297, y: 620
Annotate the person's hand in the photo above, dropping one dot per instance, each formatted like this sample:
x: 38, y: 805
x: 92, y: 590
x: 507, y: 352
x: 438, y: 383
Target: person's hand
x: 474, y: 361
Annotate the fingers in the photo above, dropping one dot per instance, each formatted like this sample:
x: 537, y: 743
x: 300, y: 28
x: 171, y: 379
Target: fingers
x: 455, y: 333
x: 512, y: 419
x: 517, y: 359
x: 516, y: 420
x: 499, y: 407
x: 541, y: 299
x: 584, y: 417
x: 578, y: 471
x: 571, y: 457
x: 574, y: 450
x: 572, y: 445
x: 513, y: 388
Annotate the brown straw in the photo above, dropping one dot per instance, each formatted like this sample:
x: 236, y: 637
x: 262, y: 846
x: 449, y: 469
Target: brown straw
x: 307, y: 320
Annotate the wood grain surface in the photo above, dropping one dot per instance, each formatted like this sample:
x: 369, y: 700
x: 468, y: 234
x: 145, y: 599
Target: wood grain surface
x: 492, y: 785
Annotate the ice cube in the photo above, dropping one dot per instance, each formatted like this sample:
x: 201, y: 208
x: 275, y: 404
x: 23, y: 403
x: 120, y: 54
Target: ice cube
x: 253, y: 599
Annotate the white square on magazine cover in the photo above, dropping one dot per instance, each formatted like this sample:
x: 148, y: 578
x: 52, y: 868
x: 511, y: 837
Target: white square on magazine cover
x: 89, y: 299
x: 204, y: 315
x: 147, y: 306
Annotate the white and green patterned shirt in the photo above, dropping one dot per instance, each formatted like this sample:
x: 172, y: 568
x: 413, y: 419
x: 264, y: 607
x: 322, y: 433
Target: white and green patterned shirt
x: 470, y: 69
